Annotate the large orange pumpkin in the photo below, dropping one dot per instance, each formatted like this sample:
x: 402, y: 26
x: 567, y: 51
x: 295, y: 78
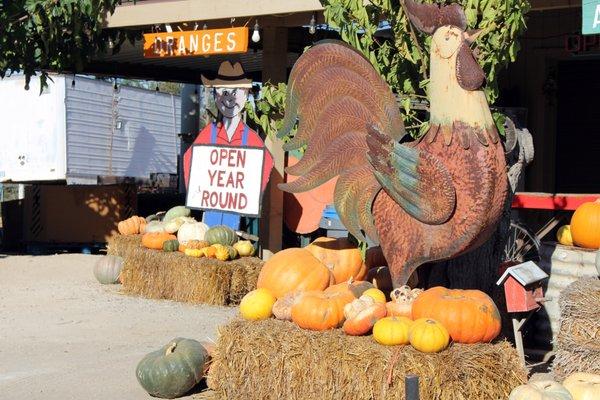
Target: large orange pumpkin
x: 293, y: 270
x: 470, y: 316
x: 319, y: 311
x: 585, y: 225
x: 155, y: 240
x: 341, y: 256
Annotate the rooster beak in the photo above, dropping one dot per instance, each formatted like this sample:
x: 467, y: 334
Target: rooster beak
x: 472, y: 35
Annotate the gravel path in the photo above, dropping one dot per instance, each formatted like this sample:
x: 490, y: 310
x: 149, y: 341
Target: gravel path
x: 64, y: 336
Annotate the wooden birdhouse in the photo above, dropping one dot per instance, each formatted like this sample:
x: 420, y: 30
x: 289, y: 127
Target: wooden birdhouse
x: 523, y: 287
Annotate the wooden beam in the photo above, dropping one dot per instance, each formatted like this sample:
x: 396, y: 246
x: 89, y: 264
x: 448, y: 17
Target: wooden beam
x: 152, y: 12
x: 542, y: 5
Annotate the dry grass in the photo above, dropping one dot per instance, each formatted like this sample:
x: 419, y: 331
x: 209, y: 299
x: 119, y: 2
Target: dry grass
x: 578, y: 340
x: 276, y: 360
x: 174, y: 276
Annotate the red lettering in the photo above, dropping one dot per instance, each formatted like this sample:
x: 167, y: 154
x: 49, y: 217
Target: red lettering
x: 243, y: 201
x: 214, y: 199
x: 223, y: 155
x: 220, y: 179
x: 241, y: 159
x: 214, y: 157
x: 211, y: 176
x: 240, y: 179
x: 230, y: 181
x: 204, y: 202
x: 231, y: 158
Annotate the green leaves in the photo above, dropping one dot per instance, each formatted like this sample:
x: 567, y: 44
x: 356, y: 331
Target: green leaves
x: 51, y: 35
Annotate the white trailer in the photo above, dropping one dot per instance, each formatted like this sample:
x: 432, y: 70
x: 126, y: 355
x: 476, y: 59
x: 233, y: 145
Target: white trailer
x: 81, y: 130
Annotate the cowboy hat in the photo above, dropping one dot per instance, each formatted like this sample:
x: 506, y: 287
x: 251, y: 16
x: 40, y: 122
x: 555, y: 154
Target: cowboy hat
x: 230, y: 75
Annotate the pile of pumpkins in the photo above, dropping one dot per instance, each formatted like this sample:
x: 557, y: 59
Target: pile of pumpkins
x: 175, y: 231
x: 321, y: 287
x: 584, y: 229
x: 577, y: 386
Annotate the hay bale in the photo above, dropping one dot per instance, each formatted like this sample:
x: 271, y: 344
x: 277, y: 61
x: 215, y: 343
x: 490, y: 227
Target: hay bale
x: 120, y: 245
x: 274, y: 359
x: 578, y: 340
x: 173, y: 276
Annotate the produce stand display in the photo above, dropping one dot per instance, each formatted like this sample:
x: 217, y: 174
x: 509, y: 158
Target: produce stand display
x: 578, y: 347
x: 174, y: 276
x: 274, y: 359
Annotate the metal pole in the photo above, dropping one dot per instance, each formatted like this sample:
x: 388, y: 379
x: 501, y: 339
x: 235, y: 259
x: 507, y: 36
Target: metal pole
x: 411, y: 385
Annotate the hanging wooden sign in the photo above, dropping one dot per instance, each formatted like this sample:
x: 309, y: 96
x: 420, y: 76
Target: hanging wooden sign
x: 196, y: 43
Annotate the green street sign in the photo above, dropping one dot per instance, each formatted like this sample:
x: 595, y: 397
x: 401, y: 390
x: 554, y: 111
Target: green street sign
x: 590, y: 24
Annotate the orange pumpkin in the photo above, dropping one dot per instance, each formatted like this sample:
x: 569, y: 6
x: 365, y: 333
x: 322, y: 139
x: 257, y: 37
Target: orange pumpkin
x: 355, y: 288
x: 155, y: 240
x: 362, y: 314
x: 341, y: 256
x: 470, y: 316
x: 132, y: 226
x: 319, y: 311
x: 402, y: 302
x: 585, y: 225
x: 293, y: 270
x: 282, y: 309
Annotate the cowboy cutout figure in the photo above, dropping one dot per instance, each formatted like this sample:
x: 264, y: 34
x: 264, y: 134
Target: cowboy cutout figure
x: 231, y: 89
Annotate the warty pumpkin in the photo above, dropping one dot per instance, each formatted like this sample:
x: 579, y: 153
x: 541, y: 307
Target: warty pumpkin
x: 540, y: 390
x: 585, y: 225
x: 221, y: 252
x: 293, y: 270
x: 355, y: 288
x: 132, y: 226
x: 155, y: 240
x: 362, y: 314
x: 428, y: 335
x: 583, y: 386
x: 174, y: 369
x: 319, y: 311
x: 470, y: 316
x: 257, y: 305
x: 282, y: 309
x: 341, y: 256
x: 392, y: 331
x: 401, y: 302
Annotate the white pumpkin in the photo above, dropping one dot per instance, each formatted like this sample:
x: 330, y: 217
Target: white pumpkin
x: 583, y: 386
x: 107, y: 269
x: 191, y: 231
x: 540, y: 390
x: 173, y: 225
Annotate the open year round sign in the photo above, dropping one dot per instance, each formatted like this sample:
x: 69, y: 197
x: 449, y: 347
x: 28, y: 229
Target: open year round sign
x: 226, y: 178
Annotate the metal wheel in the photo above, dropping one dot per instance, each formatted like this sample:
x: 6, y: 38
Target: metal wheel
x: 522, y: 245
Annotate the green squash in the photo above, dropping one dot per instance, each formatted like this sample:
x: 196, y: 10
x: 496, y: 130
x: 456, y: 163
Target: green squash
x: 179, y: 211
x: 233, y: 253
x: 221, y: 234
x: 171, y: 245
x: 173, y: 370
x: 107, y: 269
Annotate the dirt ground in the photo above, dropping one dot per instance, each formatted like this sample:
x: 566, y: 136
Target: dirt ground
x: 64, y: 336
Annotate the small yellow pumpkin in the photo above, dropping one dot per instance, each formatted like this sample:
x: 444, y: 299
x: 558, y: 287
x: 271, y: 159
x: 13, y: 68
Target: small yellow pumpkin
x: 583, y: 386
x: 194, y: 253
x: 245, y: 248
x: 392, y: 331
x: 375, y: 294
x: 209, y: 252
x: 564, y: 236
x: 257, y: 305
x: 429, y: 336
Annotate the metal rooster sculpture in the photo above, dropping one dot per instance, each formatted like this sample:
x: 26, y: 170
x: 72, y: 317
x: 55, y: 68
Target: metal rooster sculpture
x: 442, y: 195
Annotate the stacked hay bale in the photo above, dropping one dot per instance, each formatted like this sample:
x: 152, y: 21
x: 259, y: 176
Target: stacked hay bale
x: 578, y: 341
x: 174, y: 276
x: 274, y: 359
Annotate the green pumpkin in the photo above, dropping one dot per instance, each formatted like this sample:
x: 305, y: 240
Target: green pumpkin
x: 221, y: 234
x: 179, y: 211
x: 174, y: 369
x: 107, y: 269
x: 171, y: 245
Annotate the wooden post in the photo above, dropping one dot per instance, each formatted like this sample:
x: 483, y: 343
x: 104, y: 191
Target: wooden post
x: 274, y: 71
x: 411, y: 387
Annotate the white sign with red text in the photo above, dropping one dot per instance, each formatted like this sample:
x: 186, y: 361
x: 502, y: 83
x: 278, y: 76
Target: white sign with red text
x: 226, y: 178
